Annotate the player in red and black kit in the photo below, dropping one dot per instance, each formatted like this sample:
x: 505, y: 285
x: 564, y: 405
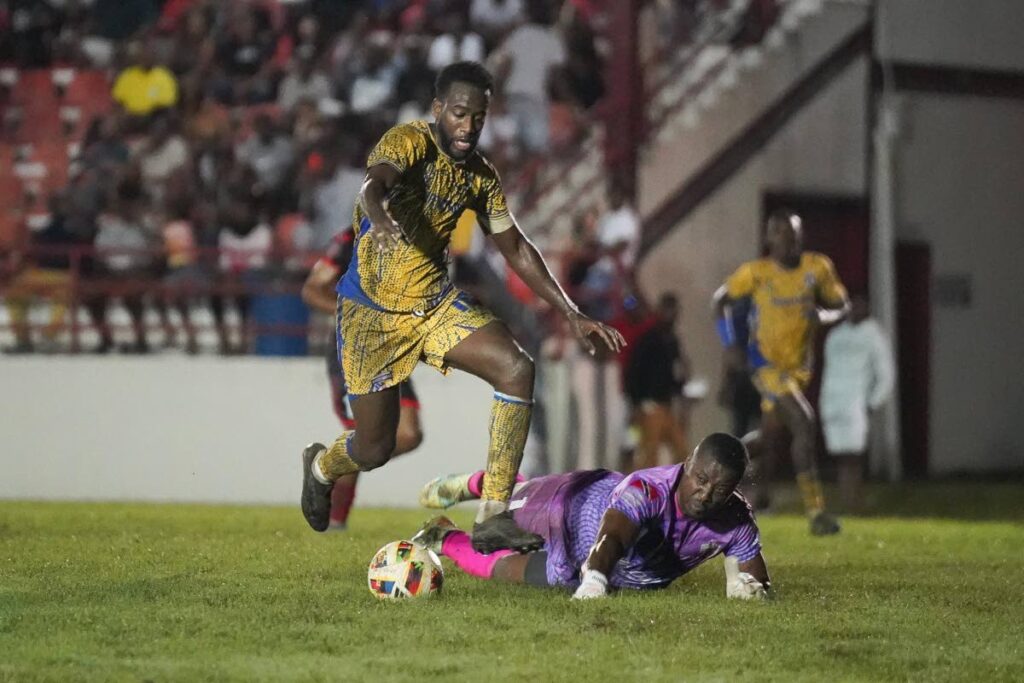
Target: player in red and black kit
x: 319, y: 292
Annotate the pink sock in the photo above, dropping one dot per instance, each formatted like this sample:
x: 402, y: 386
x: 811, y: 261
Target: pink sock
x: 476, y: 483
x: 458, y: 548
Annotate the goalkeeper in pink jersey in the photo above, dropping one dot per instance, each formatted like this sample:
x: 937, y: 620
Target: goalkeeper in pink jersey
x: 604, y: 530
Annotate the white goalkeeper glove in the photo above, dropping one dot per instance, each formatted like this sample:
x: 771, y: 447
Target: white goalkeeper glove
x: 593, y: 584
x: 746, y: 587
x: 742, y: 585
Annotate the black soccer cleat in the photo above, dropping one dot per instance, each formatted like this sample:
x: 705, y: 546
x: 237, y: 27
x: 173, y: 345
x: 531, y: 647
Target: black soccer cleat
x: 316, y: 497
x: 824, y: 524
x: 500, y: 532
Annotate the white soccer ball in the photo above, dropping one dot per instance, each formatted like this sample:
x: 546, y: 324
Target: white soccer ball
x: 402, y: 569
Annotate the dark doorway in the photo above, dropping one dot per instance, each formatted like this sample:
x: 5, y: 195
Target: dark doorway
x: 913, y: 351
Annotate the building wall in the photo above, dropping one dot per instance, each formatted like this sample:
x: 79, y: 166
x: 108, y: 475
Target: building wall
x: 959, y: 172
x: 984, y: 34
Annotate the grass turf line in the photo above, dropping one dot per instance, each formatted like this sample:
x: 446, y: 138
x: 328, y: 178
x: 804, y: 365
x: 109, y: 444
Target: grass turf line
x: 187, y: 593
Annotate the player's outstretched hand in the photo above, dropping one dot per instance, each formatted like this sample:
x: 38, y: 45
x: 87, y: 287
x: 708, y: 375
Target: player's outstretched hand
x: 583, y: 327
x: 386, y: 235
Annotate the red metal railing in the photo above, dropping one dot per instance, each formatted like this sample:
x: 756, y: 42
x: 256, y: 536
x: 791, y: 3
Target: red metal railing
x: 282, y: 273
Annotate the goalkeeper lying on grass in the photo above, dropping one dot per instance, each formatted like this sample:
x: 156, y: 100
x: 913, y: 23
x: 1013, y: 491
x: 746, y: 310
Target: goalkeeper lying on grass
x: 605, y: 530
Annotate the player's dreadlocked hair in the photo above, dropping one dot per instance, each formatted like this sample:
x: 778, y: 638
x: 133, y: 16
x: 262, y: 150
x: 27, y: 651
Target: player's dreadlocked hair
x: 726, y: 450
x: 472, y: 73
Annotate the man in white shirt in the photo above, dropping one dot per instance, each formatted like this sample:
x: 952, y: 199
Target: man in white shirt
x: 858, y: 379
x: 528, y: 56
x: 618, y: 230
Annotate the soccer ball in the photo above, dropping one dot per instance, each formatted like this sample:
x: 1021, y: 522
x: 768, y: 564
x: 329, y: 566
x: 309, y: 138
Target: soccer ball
x: 402, y: 569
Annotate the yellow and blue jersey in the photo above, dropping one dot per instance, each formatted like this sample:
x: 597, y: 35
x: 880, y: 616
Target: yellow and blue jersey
x: 431, y: 194
x: 783, y: 315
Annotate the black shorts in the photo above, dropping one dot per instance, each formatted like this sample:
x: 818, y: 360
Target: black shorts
x: 406, y: 392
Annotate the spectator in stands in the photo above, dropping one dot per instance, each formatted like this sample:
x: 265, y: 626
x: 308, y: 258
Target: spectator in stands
x: 124, y: 244
x: 618, y: 232
x: 246, y: 74
x: 657, y: 371
x: 308, y: 125
x: 193, y: 50
x: 529, y: 58
x: 162, y: 155
x: 122, y: 19
x: 334, y: 179
x: 583, y: 67
x: 304, y: 81
x: 145, y: 86
x: 245, y: 246
x: 495, y: 18
x: 500, y: 137
x: 184, y: 278
x: 858, y: 380
x: 207, y: 121
x: 104, y: 151
x: 43, y: 274
x: 271, y: 156
x: 33, y: 27
x: 455, y: 43
x: 373, y: 88
x: 596, y: 380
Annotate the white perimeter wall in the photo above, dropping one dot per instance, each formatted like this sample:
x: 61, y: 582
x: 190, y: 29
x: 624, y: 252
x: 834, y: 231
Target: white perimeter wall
x: 822, y: 150
x: 205, y: 429
x: 960, y: 188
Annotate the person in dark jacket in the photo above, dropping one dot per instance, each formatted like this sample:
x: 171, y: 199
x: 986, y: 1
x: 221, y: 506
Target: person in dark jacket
x: 657, y: 370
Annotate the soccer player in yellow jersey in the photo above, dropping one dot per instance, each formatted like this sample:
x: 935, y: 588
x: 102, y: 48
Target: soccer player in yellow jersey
x: 397, y: 305
x: 792, y: 292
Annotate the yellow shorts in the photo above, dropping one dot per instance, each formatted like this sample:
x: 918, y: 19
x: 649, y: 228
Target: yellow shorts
x: 773, y: 383
x: 380, y: 349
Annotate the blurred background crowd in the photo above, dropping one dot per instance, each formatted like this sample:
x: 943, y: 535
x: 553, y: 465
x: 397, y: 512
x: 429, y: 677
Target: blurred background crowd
x: 172, y: 170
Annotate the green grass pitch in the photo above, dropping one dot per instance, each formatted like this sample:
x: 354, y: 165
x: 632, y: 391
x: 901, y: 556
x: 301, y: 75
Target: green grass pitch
x: 113, y: 592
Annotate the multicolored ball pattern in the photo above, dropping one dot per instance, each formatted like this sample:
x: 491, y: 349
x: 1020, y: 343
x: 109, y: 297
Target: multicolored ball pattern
x: 402, y: 569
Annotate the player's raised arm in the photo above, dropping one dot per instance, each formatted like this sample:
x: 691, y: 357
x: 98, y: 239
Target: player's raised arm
x: 384, y: 231
x: 615, y: 536
x: 528, y: 264
x: 747, y: 580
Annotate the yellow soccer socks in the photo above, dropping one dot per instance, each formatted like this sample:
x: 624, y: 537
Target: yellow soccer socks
x: 509, y: 427
x: 811, y: 493
x: 335, y: 461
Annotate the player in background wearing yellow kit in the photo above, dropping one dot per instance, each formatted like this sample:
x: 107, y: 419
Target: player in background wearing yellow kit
x: 792, y: 292
x: 397, y: 306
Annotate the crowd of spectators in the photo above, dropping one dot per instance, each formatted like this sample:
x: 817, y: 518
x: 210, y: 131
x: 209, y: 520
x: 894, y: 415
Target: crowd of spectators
x: 242, y: 126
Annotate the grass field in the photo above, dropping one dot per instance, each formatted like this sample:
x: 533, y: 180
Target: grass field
x: 189, y: 593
